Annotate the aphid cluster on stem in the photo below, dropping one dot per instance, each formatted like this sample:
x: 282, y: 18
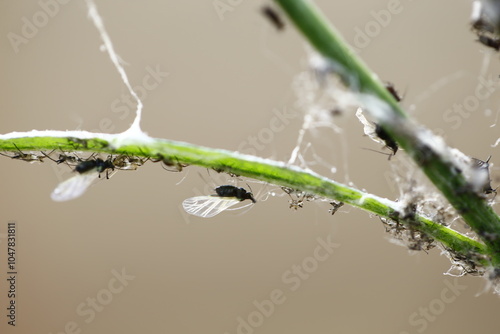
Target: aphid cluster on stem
x: 465, y: 265
x: 403, y: 226
x: 406, y: 235
x: 28, y: 157
x: 87, y: 170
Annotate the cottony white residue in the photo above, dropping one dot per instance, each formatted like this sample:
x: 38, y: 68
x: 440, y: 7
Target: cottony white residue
x: 433, y: 141
x: 377, y: 108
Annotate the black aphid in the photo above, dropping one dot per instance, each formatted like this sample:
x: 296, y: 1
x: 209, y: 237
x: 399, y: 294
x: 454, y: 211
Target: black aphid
x: 87, y: 172
x: 210, y: 206
x: 273, y: 17
x: 232, y: 191
x: 98, y: 164
x: 390, y: 87
x: 389, y: 142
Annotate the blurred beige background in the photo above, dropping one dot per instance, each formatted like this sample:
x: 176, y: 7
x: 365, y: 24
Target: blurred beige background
x: 226, y: 76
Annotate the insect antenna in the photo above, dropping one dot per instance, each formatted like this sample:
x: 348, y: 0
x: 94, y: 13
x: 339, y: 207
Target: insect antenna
x: 390, y: 155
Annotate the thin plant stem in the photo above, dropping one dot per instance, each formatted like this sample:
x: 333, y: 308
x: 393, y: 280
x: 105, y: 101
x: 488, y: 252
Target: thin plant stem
x: 427, y: 150
x: 274, y: 172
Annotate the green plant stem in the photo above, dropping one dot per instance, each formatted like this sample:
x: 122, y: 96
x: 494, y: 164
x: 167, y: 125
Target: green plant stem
x: 432, y: 158
x: 257, y: 168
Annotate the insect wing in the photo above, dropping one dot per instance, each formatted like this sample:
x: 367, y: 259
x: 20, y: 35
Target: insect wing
x: 74, y: 186
x: 208, y: 206
x: 368, y: 127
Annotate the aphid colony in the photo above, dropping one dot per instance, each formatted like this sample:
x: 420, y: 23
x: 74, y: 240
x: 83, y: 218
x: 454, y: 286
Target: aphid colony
x: 89, y: 169
x: 28, y: 157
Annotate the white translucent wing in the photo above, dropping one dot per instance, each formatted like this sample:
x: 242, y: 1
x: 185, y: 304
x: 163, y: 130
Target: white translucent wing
x: 208, y: 206
x: 368, y: 127
x: 74, y: 186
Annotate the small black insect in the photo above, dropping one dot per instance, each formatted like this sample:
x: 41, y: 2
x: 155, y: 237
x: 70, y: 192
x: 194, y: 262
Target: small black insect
x: 389, y: 142
x: 212, y: 205
x: 232, y: 191
x: 87, y: 172
x: 98, y: 164
x: 493, y: 43
x: 390, y: 87
x: 273, y: 17
x: 378, y: 134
